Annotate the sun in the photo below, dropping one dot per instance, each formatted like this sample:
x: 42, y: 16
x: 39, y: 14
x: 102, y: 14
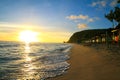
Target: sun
x: 28, y: 36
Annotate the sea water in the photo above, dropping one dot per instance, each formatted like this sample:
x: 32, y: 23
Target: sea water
x: 35, y: 61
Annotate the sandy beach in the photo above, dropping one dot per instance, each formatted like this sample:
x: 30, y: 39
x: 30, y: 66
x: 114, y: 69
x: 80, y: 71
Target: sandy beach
x: 88, y: 63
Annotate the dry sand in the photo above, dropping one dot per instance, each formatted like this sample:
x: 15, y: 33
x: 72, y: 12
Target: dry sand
x: 87, y: 63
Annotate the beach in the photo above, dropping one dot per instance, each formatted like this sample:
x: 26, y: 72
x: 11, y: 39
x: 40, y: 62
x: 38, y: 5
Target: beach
x: 91, y: 63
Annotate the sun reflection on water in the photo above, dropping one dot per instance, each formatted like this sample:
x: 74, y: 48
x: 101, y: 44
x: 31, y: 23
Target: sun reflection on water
x: 27, y: 52
x: 28, y: 67
x: 27, y: 48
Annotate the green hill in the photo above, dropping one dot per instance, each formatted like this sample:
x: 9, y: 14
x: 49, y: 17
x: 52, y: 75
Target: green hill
x: 81, y: 36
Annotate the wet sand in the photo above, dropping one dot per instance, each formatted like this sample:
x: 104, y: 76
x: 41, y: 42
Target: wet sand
x: 88, y: 63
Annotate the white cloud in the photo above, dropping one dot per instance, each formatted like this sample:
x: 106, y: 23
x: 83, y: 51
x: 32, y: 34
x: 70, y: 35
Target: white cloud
x: 91, y: 20
x: 86, y: 18
x: 99, y: 3
x: 82, y: 26
x: 113, y: 3
x: 74, y: 17
x: 81, y: 17
x: 94, y: 4
x: 103, y: 3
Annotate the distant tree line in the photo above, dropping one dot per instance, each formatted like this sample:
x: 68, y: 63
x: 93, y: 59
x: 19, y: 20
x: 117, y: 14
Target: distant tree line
x: 82, y: 36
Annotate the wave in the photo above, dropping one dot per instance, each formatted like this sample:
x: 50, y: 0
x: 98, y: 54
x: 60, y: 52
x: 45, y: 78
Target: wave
x: 41, y: 62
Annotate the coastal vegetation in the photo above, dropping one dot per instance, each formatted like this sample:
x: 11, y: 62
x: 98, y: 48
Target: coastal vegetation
x: 82, y: 36
x: 101, y: 35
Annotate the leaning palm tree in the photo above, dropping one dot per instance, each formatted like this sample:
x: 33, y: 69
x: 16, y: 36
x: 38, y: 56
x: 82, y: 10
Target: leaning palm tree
x: 110, y: 17
x: 117, y: 14
x: 118, y: 1
x: 114, y: 16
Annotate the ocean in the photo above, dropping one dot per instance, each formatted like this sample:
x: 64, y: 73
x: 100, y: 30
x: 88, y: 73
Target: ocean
x: 35, y: 61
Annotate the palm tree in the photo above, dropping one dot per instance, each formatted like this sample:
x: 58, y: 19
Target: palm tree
x: 118, y: 1
x: 110, y: 16
x: 114, y: 16
x: 117, y: 14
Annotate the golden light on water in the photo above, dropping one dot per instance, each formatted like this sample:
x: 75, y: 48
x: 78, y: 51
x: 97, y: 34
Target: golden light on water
x: 28, y: 66
x: 27, y: 58
x: 28, y: 36
x: 27, y: 51
x: 27, y: 48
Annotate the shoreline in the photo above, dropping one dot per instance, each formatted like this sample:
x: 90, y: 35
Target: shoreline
x: 91, y: 63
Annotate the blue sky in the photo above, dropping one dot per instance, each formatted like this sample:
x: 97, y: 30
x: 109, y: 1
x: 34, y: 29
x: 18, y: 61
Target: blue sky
x: 63, y: 16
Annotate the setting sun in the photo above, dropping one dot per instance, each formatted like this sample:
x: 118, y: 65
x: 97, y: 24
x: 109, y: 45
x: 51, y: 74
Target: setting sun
x: 28, y: 36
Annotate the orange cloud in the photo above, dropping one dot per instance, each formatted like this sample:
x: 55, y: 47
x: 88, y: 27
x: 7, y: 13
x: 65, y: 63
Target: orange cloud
x: 82, y: 26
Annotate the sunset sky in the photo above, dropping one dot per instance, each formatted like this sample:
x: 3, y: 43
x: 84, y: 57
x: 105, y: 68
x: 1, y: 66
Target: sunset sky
x: 53, y: 20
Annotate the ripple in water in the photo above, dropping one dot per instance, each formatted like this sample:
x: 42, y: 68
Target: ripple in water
x: 34, y: 61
